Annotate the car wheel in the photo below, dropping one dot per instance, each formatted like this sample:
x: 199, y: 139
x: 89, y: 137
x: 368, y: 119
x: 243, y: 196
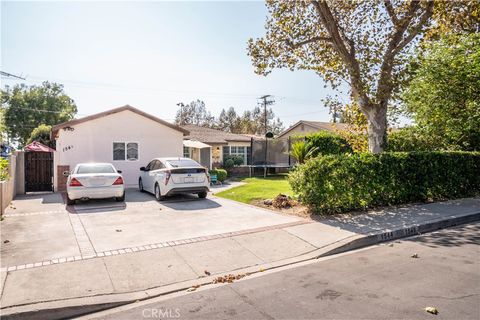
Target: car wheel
x: 70, y: 201
x: 158, y: 193
x: 140, y: 185
x: 122, y: 198
x: 202, y: 195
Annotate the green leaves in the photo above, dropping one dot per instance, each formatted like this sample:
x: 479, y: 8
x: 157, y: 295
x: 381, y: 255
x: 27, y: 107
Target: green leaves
x: 302, y: 151
x: 340, y: 183
x: 443, y: 96
x: 28, y: 107
x: 325, y: 143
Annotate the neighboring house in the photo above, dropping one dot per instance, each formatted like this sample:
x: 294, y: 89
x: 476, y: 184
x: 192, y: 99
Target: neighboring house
x: 126, y: 137
x: 210, y: 146
x: 304, y: 127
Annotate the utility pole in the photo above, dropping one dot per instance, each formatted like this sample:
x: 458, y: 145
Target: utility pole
x: 266, y: 102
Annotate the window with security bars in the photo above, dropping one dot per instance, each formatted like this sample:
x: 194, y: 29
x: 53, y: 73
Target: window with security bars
x: 125, y: 151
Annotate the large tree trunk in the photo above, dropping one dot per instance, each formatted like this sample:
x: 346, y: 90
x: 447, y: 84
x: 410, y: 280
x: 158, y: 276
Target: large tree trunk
x: 377, y: 126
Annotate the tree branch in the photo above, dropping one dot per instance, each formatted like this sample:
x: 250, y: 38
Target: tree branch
x: 397, y: 43
x: 330, y: 24
x: 391, y: 12
x: 416, y: 29
x: 302, y: 43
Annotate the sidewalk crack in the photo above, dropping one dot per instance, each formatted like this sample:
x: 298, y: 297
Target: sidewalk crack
x: 233, y: 238
x: 186, y: 262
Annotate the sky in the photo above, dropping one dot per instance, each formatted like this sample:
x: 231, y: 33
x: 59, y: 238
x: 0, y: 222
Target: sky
x: 152, y: 55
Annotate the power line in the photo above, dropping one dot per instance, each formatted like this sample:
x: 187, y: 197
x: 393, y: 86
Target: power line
x: 9, y: 75
x: 156, y: 91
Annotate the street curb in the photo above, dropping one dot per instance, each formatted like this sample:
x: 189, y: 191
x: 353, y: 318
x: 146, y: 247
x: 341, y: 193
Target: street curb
x: 362, y: 241
x: 56, y: 310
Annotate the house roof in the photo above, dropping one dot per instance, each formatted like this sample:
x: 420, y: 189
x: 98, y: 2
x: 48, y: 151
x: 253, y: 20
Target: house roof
x: 57, y: 127
x: 207, y: 135
x: 327, y: 126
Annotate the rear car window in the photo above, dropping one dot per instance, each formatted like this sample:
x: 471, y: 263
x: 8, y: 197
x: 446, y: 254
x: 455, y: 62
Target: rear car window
x: 183, y: 163
x: 97, y: 168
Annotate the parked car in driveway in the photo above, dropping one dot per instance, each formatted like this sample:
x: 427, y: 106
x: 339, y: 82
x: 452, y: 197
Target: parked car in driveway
x: 168, y: 176
x: 94, y: 181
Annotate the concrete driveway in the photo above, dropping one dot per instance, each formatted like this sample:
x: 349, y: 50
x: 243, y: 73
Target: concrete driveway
x: 41, y: 227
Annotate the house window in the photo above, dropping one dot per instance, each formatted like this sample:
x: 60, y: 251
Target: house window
x: 125, y: 151
x: 132, y: 151
x: 236, y: 151
x: 186, y: 152
x: 118, y: 151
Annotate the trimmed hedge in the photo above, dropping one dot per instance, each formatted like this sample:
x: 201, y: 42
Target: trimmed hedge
x: 409, y: 139
x: 328, y: 143
x: 340, y: 183
x: 221, y: 174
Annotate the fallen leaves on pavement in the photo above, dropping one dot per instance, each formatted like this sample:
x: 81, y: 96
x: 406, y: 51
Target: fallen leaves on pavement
x: 229, y: 278
x: 193, y: 288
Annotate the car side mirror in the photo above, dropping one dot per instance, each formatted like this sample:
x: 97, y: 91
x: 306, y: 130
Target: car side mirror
x: 142, y: 169
x: 66, y: 173
x: 119, y: 171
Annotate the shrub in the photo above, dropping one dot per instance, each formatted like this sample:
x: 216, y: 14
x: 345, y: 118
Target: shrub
x: 409, y: 139
x: 221, y: 174
x: 327, y: 143
x: 237, y: 160
x: 228, y: 163
x: 302, y: 151
x: 3, y: 169
x: 339, y: 183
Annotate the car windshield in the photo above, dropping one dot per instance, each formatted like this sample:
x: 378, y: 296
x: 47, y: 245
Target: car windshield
x: 183, y: 163
x: 96, y: 168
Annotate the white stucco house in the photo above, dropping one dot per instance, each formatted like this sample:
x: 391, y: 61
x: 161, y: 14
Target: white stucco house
x: 126, y: 137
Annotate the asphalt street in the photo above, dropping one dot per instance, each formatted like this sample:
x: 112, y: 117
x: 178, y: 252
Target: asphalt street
x: 381, y: 282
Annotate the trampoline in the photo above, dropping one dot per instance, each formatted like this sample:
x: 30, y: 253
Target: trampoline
x: 270, y: 154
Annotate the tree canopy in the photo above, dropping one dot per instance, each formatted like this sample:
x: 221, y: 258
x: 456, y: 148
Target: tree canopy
x: 250, y: 122
x: 195, y: 113
x: 363, y: 43
x: 27, y: 107
x: 443, y: 96
x: 42, y: 135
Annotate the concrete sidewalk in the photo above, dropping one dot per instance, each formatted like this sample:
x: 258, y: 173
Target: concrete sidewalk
x: 59, y: 288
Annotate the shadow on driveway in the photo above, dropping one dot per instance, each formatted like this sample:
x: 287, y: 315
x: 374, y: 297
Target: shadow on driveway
x: 46, y: 197
x: 134, y: 197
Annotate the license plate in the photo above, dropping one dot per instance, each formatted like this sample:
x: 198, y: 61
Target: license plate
x: 97, y: 181
x: 189, y: 180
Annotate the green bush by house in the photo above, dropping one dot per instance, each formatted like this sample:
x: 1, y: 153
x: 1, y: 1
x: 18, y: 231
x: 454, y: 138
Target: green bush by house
x: 327, y: 143
x: 221, y: 174
x: 339, y: 183
x: 3, y: 169
x: 410, y: 139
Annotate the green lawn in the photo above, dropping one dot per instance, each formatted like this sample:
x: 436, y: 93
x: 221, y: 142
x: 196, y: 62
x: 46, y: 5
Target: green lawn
x: 258, y: 189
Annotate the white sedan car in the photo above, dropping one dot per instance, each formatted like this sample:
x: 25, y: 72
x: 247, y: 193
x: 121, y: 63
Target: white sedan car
x: 95, y: 181
x: 168, y: 176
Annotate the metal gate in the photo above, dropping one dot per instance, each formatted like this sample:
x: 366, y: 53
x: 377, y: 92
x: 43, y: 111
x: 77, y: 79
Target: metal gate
x: 38, y: 171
